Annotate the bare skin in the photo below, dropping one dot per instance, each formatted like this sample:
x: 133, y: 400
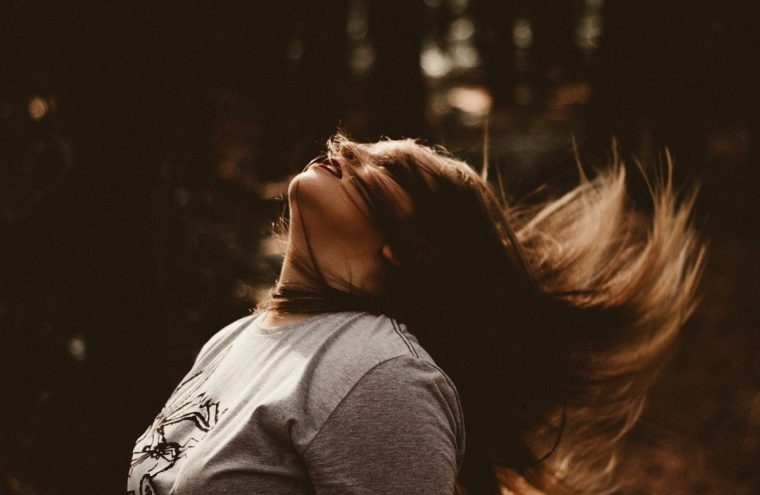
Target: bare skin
x: 344, y: 239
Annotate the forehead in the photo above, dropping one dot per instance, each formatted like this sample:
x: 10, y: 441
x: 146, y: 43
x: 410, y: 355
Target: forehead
x: 402, y: 171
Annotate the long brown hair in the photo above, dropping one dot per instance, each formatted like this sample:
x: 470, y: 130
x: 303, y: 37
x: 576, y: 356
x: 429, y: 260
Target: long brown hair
x: 552, y: 319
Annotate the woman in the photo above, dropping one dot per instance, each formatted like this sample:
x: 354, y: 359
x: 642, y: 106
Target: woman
x: 551, y: 322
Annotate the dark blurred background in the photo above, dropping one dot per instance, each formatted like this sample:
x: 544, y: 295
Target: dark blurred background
x: 145, y: 148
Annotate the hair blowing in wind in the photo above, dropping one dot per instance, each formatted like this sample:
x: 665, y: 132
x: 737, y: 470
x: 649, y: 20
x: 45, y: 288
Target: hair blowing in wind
x: 552, y: 319
x: 632, y: 278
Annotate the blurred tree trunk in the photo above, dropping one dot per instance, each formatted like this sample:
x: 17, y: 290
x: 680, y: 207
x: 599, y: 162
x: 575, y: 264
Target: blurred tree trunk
x: 323, y: 79
x: 397, y: 94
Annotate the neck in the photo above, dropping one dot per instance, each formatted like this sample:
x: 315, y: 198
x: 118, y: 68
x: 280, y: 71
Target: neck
x: 293, y: 273
x: 290, y: 275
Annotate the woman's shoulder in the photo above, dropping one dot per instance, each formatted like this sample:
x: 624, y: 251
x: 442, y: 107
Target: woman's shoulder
x: 349, y: 342
x: 222, y: 338
x: 368, y: 357
x: 371, y: 338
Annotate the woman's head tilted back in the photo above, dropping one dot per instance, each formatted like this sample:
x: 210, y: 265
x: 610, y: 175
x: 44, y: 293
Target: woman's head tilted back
x: 552, y: 319
x: 370, y: 220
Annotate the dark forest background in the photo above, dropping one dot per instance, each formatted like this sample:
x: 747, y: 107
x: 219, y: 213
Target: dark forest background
x: 145, y: 148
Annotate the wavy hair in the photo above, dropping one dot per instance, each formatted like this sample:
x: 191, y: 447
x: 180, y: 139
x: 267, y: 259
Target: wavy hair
x: 553, y: 319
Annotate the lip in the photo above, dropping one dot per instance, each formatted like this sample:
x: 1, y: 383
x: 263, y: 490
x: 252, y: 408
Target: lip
x: 333, y: 168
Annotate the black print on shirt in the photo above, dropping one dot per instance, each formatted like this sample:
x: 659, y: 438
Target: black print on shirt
x: 155, y: 452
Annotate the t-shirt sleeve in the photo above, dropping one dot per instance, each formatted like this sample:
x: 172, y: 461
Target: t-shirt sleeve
x: 398, y: 431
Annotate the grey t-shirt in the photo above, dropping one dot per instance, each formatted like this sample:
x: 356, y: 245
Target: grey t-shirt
x: 337, y: 403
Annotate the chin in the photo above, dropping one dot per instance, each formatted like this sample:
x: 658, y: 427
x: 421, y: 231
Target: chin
x: 293, y: 185
x: 314, y: 187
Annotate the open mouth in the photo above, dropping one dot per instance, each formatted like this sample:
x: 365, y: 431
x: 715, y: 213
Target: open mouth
x: 332, y: 167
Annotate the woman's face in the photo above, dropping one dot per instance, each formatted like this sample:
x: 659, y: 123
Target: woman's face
x: 331, y: 222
